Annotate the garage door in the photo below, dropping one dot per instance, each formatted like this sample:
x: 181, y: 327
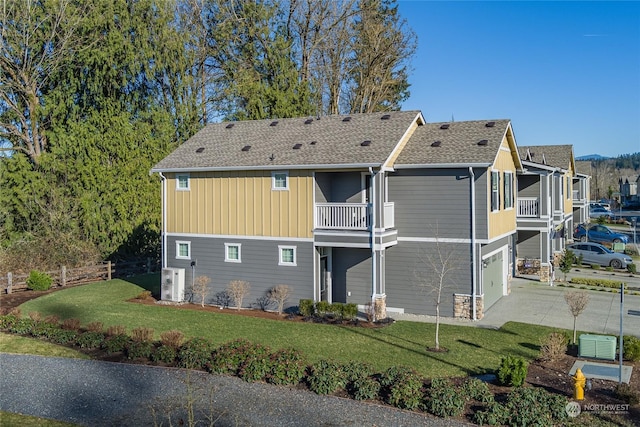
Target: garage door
x: 493, y: 278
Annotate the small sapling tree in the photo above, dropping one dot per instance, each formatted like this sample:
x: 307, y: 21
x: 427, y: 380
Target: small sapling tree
x: 280, y: 294
x: 200, y: 288
x: 238, y: 290
x: 566, y: 262
x: 577, y: 302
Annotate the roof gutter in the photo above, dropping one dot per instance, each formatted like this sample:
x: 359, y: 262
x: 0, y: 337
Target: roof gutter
x: 164, y: 220
x: 270, y: 167
x: 442, y: 165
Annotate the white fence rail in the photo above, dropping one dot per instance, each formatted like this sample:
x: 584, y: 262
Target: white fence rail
x: 528, y: 207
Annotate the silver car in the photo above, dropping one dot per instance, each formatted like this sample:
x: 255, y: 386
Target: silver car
x: 594, y: 253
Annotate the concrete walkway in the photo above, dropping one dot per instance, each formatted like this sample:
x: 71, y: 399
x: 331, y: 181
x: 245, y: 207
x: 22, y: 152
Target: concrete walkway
x: 533, y: 302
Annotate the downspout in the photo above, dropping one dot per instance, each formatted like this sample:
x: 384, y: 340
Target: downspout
x: 164, y: 220
x: 373, y: 234
x: 474, y: 255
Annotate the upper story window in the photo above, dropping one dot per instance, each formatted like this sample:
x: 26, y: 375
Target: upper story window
x: 568, y: 187
x: 280, y: 180
x: 508, y: 190
x: 232, y: 252
x: 287, y: 255
x: 182, y: 182
x: 495, y: 191
x: 183, y: 250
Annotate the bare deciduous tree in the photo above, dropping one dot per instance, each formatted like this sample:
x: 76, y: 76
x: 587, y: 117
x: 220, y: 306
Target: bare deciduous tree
x: 200, y: 288
x: 237, y: 290
x: 577, y: 302
x: 280, y: 294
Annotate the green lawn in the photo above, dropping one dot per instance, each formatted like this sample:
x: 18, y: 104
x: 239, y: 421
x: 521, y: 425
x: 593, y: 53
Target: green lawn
x: 471, y: 350
x: 22, y: 345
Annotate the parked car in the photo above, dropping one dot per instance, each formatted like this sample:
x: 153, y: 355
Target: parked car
x: 598, y: 211
x: 598, y: 233
x: 595, y: 253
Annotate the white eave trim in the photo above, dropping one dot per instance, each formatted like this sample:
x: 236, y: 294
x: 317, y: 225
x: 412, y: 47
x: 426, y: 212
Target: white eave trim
x: 442, y: 165
x: 271, y: 167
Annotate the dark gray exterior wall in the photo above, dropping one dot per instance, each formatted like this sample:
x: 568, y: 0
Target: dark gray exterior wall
x: 259, y: 266
x: 529, y: 185
x: 351, y: 273
x: 338, y: 187
x: 410, y: 278
x: 528, y: 245
x: 430, y: 199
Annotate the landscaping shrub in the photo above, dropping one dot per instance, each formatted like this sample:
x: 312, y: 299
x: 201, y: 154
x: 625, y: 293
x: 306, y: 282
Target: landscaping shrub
x: 52, y: 319
x: 627, y: 394
x: 553, y: 347
x: 323, y: 307
x: 95, y: 327
x: 603, y: 283
x: 364, y: 388
x: 195, y: 353
x: 8, y: 320
x: 356, y: 370
x: 90, y: 340
x: 402, y: 387
x: 595, y: 266
x: 350, y: 311
x: 336, y: 309
x: 326, y: 377
x: 139, y: 349
x: 39, y: 281
x: 35, y: 316
x: 116, y: 343
x: 280, y: 295
x: 165, y: 354
x: 495, y: 414
x: 444, y: 399
x: 228, y: 358
x: 306, y: 308
x: 529, y: 406
x: 476, y: 389
x: 257, y: 365
x: 142, y: 334
x: 63, y: 336
x: 172, y: 338
x: 238, y: 290
x: 631, y: 268
x: 287, y: 367
x: 631, y: 348
x: 116, y: 330
x: 71, y: 324
x: 21, y: 326
x: 143, y: 295
x: 512, y: 371
x: 43, y: 329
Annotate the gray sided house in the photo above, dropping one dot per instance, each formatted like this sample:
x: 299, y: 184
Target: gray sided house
x: 345, y: 209
x: 548, y: 188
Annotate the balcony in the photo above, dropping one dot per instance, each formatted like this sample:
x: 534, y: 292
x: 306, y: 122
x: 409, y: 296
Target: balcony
x: 528, y: 207
x: 350, y: 216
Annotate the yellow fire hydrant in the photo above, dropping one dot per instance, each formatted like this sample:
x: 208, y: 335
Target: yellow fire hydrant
x: 578, y: 385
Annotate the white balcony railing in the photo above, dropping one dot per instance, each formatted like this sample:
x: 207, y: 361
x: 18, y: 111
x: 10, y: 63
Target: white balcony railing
x: 343, y: 216
x: 528, y: 207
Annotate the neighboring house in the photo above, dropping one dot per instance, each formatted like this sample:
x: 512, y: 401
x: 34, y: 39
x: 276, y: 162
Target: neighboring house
x: 545, y: 206
x: 628, y: 188
x: 345, y: 209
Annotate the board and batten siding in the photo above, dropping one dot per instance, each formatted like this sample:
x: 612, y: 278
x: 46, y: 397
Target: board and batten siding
x: 259, y: 266
x: 503, y: 221
x: 241, y: 203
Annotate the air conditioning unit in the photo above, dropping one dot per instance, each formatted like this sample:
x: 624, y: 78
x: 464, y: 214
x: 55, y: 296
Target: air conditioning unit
x: 172, y: 287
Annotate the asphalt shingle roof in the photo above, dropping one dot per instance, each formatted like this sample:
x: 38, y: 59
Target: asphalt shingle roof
x: 328, y: 140
x: 454, y: 143
x: 558, y: 156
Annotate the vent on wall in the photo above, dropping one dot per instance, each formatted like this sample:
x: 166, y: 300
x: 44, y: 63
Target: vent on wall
x: 436, y: 143
x: 483, y: 142
x: 230, y: 125
x: 444, y: 126
x: 365, y: 143
x: 246, y: 148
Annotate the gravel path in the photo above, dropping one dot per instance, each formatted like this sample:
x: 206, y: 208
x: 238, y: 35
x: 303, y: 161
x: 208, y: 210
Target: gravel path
x: 96, y: 393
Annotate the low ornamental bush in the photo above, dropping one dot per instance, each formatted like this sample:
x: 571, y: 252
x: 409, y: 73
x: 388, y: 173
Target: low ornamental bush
x: 90, y: 340
x: 63, y: 336
x: 287, y: 367
x: 39, y: 281
x: 444, y: 399
x: 228, y: 358
x: 326, y: 377
x: 512, y: 371
x: 402, y: 387
x: 306, y: 308
x: 350, y: 311
x: 631, y: 268
x: 21, y: 326
x: 164, y: 354
x: 631, y: 348
x: 116, y: 343
x: 603, y: 283
x: 195, y: 353
x: 528, y: 406
x: 323, y: 307
x: 172, y: 338
x: 364, y: 388
x: 71, y: 324
x: 257, y: 365
x: 139, y: 349
x: 476, y: 389
x: 553, y: 347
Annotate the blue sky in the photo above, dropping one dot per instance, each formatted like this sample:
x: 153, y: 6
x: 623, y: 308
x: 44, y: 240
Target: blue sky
x: 563, y: 72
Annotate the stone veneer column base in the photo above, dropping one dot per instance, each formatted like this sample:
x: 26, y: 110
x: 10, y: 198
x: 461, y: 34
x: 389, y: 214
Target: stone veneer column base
x: 545, y: 271
x: 462, y: 308
x: 380, y: 307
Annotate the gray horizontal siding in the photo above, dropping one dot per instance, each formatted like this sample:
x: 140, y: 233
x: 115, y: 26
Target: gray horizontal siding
x: 528, y: 244
x: 529, y: 185
x: 259, y: 266
x: 410, y: 280
x: 338, y: 187
x: 351, y: 273
x: 430, y: 202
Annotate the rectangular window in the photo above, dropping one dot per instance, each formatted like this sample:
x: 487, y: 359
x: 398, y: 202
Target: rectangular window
x: 232, y: 252
x: 183, y: 250
x: 568, y: 187
x: 508, y: 190
x: 280, y: 180
x: 182, y: 182
x: 495, y: 191
x: 287, y: 255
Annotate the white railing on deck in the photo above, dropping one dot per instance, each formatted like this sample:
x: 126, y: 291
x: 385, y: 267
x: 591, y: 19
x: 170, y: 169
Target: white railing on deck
x: 576, y: 195
x: 342, y: 216
x: 528, y: 207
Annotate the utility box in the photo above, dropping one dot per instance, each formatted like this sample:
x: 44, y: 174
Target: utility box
x: 597, y: 346
x: 172, y: 287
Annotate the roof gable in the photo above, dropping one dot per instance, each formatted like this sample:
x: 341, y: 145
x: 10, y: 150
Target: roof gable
x: 557, y: 156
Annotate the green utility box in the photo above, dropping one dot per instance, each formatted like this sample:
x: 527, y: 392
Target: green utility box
x: 597, y: 346
x: 618, y: 247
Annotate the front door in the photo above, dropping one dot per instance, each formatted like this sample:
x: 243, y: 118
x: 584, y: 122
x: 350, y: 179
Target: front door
x: 324, y: 279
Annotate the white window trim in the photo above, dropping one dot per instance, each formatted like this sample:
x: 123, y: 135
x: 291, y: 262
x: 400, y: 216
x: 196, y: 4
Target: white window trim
x: 188, y: 187
x: 226, y: 252
x: 281, y: 262
x: 183, y: 242
x: 511, y: 196
x: 273, y: 180
x: 497, y: 207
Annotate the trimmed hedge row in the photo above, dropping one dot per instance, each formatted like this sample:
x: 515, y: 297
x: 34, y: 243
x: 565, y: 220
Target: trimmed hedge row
x: 398, y: 386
